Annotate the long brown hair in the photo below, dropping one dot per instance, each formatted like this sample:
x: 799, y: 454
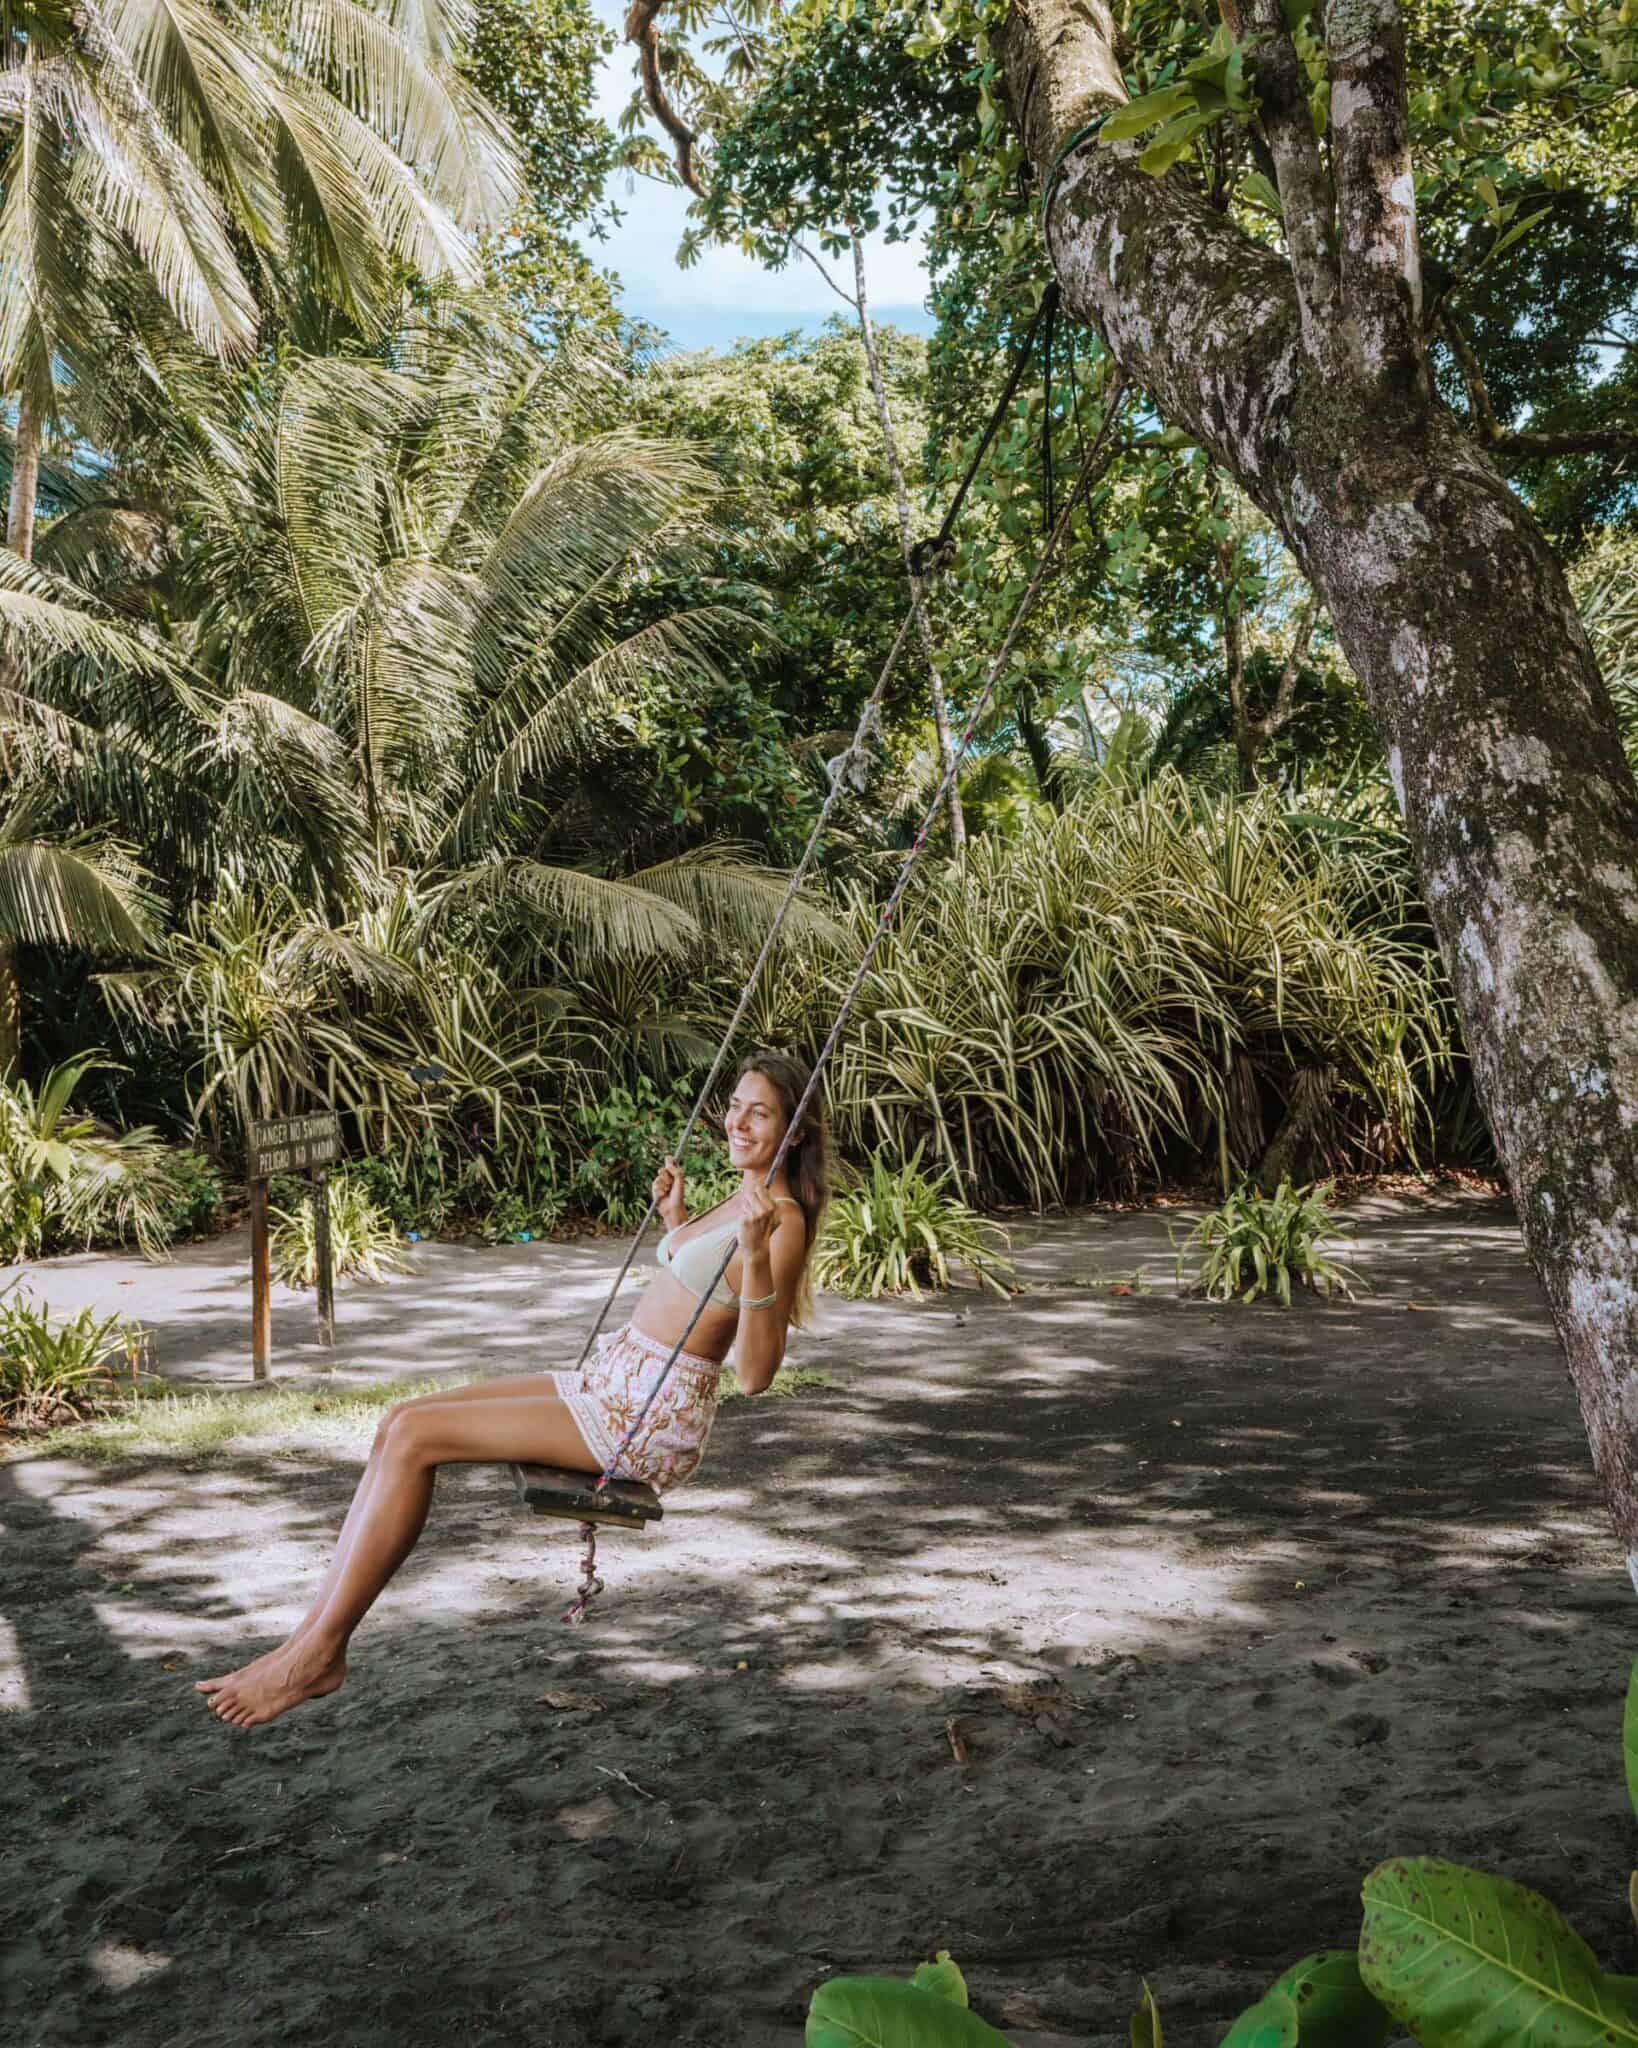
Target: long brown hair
x: 808, y: 1162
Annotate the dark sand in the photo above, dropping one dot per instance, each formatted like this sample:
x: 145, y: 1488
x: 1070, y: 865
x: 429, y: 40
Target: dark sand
x: 1227, y: 1605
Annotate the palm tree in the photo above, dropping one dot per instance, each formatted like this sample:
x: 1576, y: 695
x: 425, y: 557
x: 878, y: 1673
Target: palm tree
x: 414, y: 593
x: 60, y: 885
x: 184, y: 160
x: 166, y: 164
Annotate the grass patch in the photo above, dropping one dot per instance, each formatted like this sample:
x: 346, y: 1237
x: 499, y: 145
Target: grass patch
x: 284, y: 1421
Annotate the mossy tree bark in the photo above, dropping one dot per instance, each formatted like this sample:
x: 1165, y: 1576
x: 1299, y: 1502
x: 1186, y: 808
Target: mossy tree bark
x: 1306, y: 376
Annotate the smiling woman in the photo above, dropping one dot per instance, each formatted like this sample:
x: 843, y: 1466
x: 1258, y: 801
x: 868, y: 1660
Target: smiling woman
x: 607, y: 1418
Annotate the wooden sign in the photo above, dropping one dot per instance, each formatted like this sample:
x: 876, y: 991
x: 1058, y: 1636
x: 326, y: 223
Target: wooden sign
x: 294, y: 1144
x: 289, y: 1144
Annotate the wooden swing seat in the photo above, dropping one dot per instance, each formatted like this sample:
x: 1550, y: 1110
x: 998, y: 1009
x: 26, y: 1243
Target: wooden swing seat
x: 573, y: 1497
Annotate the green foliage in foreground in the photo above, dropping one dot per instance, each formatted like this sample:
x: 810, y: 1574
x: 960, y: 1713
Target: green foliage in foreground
x: 1453, y: 1957
x: 1256, y: 1244
x: 65, y: 1181
x: 901, y: 1227
x: 53, y: 1371
x: 363, y: 1241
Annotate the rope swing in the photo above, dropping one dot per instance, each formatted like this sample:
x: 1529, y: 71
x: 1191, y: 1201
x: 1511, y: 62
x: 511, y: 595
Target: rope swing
x: 622, y: 1502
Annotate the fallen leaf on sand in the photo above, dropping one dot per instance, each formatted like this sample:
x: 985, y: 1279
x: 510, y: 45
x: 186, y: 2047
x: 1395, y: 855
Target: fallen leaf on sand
x: 958, y: 1749
x: 573, y: 1702
x: 1120, y: 1287
x: 1427, y: 1307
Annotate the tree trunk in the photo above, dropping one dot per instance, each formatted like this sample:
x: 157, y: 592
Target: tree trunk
x: 1307, y: 380
x: 25, y: 481
x: 25, y: 490
x: 11, y: 1011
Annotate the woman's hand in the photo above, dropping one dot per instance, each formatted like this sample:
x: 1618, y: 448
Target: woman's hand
x: 667, y: 1193
x: 756, y: 1220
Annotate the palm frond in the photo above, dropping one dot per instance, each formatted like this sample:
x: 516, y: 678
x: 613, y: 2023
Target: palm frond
x: 409, y: 94
x: 726, y: 891
x: 592, y: 913
x: 67, y: 896
x: 542, y: 720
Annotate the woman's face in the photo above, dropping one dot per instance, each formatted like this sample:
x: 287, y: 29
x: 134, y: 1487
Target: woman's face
x: 755, y: 1122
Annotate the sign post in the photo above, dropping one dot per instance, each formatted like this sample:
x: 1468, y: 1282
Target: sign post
x: 324, y: 1288
x: 261, y: 1304
x: 289, y: 1144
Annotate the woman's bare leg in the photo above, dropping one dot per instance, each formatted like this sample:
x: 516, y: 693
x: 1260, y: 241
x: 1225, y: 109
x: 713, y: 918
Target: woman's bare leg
x: 538, y: 1385
x: 391, y: 1513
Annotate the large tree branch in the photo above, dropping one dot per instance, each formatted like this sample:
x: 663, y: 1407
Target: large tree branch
x: 1306, y: 197
x: 1164, y: 278
x: 1500, y: 737
x: 1376, y: 196
x: 640, y: 29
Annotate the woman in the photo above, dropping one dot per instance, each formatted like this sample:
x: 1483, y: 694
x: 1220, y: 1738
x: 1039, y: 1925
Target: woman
x: 582, y: 1420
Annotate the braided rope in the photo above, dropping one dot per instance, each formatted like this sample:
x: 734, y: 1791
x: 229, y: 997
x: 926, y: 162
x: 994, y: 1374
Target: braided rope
x: 841, y: 764
x: 1026, y: 604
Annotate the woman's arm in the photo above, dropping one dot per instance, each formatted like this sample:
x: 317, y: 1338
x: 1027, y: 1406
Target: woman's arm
x: 772, y: 1241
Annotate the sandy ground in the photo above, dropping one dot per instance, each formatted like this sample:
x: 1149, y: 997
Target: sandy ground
x: 1225, y: 1604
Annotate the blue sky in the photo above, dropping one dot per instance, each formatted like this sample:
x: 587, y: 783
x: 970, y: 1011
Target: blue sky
x: 725, y: 295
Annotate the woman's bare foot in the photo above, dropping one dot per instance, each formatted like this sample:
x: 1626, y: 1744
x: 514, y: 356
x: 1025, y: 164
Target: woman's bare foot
x: 270, y: 1686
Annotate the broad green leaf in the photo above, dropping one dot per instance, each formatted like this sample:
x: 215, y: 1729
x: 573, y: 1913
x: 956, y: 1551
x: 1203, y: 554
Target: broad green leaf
x: 880, y: 2012
x: 1270, y: 2023
x: 1146, y: 2022
x: 1147, y: 112
x: 942, y: 1979
x: 1519, y: 227
x: 1463, y: 1960
x: 1629, y: 1737
x: 1171, y: 143
x: 1334, y: 2009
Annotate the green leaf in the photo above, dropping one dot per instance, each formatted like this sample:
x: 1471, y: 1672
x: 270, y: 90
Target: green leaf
x: 880, y: 2012
x: 1146, y: 2022
x: 1519, y: 227
x: 942, y: 1979
x: 1463, y: 1960
x: 1334, y: 2009
x: 1171, y: 143
x: 1270, y: 2023
x: 1629, y: 1737
x: 1148, y: 112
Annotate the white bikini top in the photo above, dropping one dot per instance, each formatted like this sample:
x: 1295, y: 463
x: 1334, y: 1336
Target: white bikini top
x: 695, y: 1262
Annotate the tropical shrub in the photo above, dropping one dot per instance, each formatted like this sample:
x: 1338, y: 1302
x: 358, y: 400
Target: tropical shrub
x: 1453, y: 1957
x: 1257, y: 1243
x: 363, y: 1241
x: 901, y: 1229
x: 192, y: 1202
x: 528, y: 1193
x: 52, y: 1371
x: 1136, y: 982
x: 625, y: 1134
x: 65, y: 1180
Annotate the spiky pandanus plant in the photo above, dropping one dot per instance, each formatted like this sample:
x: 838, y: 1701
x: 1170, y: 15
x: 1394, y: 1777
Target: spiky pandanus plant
x: 1142, y: 975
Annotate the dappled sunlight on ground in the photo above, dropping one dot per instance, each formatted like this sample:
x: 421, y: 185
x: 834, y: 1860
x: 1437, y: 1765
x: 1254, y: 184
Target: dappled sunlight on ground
x: 1084, y: 1635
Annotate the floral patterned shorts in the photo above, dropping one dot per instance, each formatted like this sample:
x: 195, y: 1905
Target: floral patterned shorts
x: 606, y: 1399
